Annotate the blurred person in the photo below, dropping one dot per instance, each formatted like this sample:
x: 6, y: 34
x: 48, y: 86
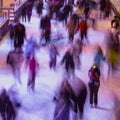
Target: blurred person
x: 63, y: 101
x: 116, y: 108
x: 63, y: 14
x: 24, y: 13
x: 93, y: 16
x: 45, y: 26
x: 10, y: 111
x: 50, y: 7
x: 77, y: 50
x: 30, y: 48
x: 71, y: 96
x: 82, y: 27
x: 3, y: 104
x: 102, y: 8
x: 53, y: 53
x: 86, y: 10
x: 99, y: 56
x: 71, y: 25
x: 68, y: 61
x: 15, y: 98
x: 39, y: 7
x: 112, y: 50
x: 108, y: 9
x: 15, y: 59
x: 78, y: 11
x: 29, y: 7
x: 75, y: 17
x: 57, y: 4
x: 94, y: 84
x: 12, y: 32
x: 115, y: 22
x: 80, y: 92
x: 6, y: 107
x: 33, y: 67
x: 20, y: 35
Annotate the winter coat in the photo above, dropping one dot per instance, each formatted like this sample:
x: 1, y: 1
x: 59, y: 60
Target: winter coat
x: 33, y: 65
x: 71, y: 25
x: 82, y: 26
x: 94, y: 74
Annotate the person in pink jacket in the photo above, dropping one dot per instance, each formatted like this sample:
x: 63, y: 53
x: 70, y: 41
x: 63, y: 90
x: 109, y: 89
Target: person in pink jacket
x: 32, y: 66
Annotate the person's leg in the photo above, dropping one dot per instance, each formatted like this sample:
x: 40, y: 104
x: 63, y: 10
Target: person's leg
x: 47, y: 36
x: 50, y: 64
x: 54, y: 63
x: 25, y: 18
x: 82, y: 36
x: 96, y: 96
x: 91, y: 89
x: 33, y: 82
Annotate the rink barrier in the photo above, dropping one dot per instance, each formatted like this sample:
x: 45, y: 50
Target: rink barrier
x: 9, y: 14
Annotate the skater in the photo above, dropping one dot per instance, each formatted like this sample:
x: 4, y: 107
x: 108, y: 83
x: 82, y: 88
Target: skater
x: 45, y: 27
x: 20, y: 35
x: 94, y: 84
x: 53, y: 53
x: 6, y: 107
x: 71, y: 96
x: 15, y: 59
x: 68, y: 61
x: 33, y: 66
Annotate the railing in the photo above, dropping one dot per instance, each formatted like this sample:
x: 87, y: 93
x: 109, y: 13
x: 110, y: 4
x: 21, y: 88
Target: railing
x: 14, y: 12
x: 9, y: 14
x: 9, y: 11
x: 3, y: 17
x: 117, y: 13
x: 4, y: 27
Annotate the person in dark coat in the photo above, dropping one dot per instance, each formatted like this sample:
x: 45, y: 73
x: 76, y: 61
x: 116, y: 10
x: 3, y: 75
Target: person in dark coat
x: 80, y: 92
x: 20, y: 35
x: 11, y: 29
x: 12, y: 32
x: 39, y: 7
x: 24, y: 13
x: 45, y: 26
x: 64, y: 13
x: 94, y: 84
x: 10, y: 112
x: 57, y: 4
x: 6, y: 107
x: 3, y: 99
x: 68, y: 61
x: 29, y: 10
x: 102, y: 8
x: 86, y: 10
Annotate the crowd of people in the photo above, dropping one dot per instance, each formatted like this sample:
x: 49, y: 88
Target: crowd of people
x: 77, y: 18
